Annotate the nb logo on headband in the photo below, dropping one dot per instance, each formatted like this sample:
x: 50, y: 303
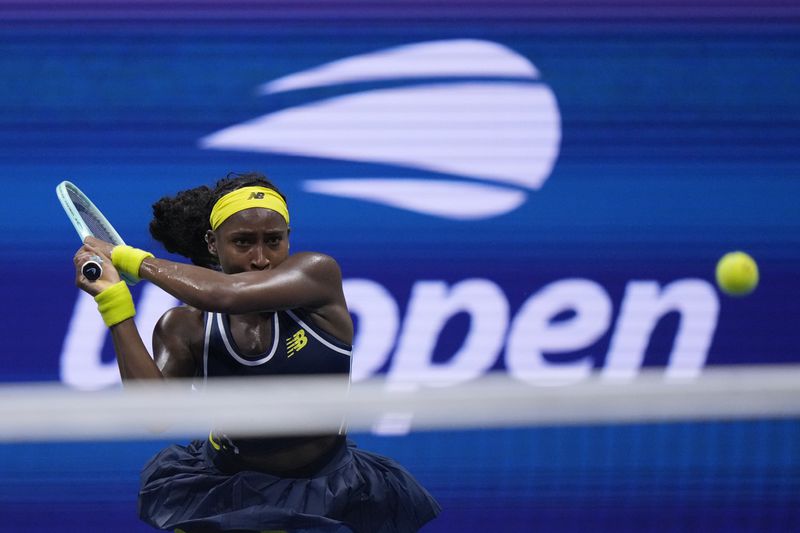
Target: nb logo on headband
x: 256, y: 196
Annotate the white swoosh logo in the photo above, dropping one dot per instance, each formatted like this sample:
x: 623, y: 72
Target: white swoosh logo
x: 438, y: 59
x: 431, y: 197
x: 498, y: 131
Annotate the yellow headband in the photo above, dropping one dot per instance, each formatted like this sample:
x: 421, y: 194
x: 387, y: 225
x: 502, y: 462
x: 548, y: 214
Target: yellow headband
x: 247, y: 198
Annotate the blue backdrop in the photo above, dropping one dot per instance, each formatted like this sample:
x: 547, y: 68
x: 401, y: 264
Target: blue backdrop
x: 533, y: 187
x: 672, y: 139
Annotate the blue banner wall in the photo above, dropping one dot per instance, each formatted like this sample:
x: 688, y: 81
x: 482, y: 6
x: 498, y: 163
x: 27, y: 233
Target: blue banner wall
x: 537, y: 187
x: 530, y: 179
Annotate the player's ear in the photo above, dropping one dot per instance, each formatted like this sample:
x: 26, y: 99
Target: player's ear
x: 211, y: 242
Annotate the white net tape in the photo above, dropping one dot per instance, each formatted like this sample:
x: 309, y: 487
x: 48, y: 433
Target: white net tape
x: 282, y: 406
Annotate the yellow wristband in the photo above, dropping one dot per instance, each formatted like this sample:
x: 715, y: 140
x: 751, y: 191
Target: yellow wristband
x: 115, y: 304
x: 128, y: 259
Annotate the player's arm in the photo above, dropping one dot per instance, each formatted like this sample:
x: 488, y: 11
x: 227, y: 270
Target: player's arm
x: 173, y: 339
x: 133, y: 358
x: 178, y: 342
x: 310, y: 281
x: 307, y: 280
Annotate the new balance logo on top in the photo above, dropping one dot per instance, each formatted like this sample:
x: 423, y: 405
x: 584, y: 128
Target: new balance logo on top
x: 296, y: 342
x: 484, y: 129
x: 256, y: 196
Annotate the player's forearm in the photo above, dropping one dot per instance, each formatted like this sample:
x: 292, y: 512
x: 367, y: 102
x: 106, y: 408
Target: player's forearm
x: 199, y: 287
x: 133, y: 358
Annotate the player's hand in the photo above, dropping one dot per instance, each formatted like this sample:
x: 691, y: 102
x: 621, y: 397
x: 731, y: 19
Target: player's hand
x: 110, y: 275
x: 103, y: 247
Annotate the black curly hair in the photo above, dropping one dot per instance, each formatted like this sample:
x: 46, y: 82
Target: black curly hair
x: 180, y: 222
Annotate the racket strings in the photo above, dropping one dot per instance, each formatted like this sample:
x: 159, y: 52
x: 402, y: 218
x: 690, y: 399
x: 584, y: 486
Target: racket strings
x: 97, y: 226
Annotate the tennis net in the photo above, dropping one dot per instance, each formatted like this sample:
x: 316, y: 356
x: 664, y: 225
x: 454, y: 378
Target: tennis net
x: 719, y: 452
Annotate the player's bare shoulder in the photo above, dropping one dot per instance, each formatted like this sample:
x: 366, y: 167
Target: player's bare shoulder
x: 318, y: 265
x: 184, y: 324
x: 181, y: 318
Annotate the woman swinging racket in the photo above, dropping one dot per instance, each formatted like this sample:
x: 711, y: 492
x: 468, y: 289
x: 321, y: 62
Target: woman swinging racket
x: 250, y: 309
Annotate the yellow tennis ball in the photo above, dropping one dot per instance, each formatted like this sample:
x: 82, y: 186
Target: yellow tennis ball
x: 737, y: 274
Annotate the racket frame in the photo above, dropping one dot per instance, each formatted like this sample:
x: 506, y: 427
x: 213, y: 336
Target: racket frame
x: 63, y: 192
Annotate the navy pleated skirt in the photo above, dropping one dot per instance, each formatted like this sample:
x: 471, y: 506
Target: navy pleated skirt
x: 356, y: 491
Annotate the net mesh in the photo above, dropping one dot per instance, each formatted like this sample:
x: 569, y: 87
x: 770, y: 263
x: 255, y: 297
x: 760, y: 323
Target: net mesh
x: 731, y: 462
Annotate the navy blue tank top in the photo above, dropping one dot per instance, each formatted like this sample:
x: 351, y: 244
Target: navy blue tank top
x: 298, y: 347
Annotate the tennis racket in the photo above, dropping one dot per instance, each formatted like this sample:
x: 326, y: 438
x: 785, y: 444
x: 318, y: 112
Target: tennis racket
x: 88, y: 220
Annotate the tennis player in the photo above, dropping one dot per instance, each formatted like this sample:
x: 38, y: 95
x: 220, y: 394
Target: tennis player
x: 250, y: 309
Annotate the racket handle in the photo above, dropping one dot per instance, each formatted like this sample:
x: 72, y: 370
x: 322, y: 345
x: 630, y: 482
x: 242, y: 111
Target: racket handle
x: 92, y: 269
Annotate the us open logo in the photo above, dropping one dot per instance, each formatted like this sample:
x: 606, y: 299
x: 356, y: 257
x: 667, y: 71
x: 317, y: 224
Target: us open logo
x: 479, y: 131
x: 472, y: 116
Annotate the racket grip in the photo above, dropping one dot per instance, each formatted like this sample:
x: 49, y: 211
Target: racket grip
x: 92, y: 269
